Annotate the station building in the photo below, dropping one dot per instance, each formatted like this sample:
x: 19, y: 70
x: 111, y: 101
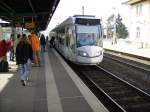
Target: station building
x: 139, y: 29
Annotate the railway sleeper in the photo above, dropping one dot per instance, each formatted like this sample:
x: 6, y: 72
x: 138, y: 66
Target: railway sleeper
x: 131, y: 98
x: 116, y: 95
x: 94, y: 73
x: 105, y: 80
x: 109, y: 84
x: 113, y: 89
x: 131, y: 102
x: 122, y: 92
x: 145, y: 107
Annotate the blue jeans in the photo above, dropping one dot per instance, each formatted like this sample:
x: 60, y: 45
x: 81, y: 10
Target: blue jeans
x: 25, y: 70
x: 43, y: 48
x: 11, y: 54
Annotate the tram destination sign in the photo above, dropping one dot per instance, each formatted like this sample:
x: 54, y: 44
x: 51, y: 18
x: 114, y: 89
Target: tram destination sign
x: 86, y: 21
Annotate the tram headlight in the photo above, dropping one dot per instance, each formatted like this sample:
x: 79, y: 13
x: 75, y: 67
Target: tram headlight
x: 98, y: 53
x: 82, y: 53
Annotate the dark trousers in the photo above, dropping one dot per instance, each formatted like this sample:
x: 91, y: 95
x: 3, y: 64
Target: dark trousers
x: 11, y: 57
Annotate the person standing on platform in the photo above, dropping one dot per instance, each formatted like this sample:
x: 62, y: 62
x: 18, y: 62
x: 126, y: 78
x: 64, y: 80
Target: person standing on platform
x: 35, y: 43
x: 43, y: 43
x: 12, y: 39
x: 47, y: 42
x: 52, y: 42
x: 24, y: 56
x: 29, y: 39
x: 4, y: 48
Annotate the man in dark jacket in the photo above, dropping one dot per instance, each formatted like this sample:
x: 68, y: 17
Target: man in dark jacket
x: 43, y: 43
x: 24, y: 55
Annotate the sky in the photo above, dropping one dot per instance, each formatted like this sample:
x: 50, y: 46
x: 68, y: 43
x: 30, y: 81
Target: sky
x: 100, y: 8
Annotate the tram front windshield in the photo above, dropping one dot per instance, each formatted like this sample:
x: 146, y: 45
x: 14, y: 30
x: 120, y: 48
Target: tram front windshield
x: 87, y: 36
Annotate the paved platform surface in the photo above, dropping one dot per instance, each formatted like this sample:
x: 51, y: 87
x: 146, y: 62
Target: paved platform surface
x: 53, y: 87
x: 16, y: 98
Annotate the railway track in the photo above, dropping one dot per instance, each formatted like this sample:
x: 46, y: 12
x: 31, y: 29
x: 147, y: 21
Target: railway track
x: 122, y: 95
x: 127, y: 55
x: 133, y: 72
x: 143, y: 67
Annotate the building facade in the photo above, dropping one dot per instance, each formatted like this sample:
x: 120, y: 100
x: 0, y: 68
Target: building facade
x: 139, y: 29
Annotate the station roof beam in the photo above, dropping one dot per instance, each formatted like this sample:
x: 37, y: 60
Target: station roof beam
x: 26, y: 10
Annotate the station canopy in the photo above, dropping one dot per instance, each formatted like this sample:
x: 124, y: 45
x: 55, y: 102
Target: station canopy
x: 28, y: 13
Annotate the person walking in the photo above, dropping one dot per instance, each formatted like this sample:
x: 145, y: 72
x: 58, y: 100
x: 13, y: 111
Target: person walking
x: 43, y: 43
x: 52, y: 42
x: 35, y: 43
x: 24, y: 56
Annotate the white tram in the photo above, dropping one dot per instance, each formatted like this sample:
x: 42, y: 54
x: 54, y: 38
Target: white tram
x: 79, y: 39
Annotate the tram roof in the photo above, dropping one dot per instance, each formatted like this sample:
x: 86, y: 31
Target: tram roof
x: 22, y: 11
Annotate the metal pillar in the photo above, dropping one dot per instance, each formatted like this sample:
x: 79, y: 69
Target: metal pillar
x: 114, y: 33
x: 22, y: 24
x: 1, y: 32
x: 114, y: 39
x: 82, y: 10
x: 13, y: 30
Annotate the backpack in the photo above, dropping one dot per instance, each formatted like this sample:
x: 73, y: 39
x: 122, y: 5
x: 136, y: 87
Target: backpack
x: 3, y: 66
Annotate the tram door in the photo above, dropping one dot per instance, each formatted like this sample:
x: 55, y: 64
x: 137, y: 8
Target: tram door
x: 70, y: 44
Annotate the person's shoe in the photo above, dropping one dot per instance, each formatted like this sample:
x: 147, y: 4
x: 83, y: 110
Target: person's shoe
x: 24, y: 83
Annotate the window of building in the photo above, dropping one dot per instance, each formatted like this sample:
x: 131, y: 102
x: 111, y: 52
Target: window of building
x: 137, y: 32
x: 139, y: 9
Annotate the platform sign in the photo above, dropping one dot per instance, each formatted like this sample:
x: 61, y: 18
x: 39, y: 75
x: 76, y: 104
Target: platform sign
x: 30, y: 25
